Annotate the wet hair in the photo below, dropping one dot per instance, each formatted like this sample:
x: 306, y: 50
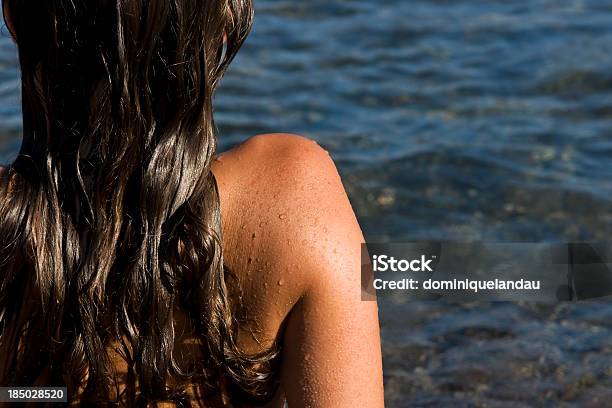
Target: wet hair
x: 109, y: 217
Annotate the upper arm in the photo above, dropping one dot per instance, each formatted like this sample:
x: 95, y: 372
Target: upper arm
x: 331, y: 355
x: 292, y: 233
x: 302, y: 230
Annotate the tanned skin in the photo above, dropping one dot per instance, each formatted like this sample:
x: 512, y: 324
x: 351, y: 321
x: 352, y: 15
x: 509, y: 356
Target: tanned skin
x: 291, y: 236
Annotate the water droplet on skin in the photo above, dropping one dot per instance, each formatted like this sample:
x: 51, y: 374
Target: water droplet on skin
x: 280, y: 282
x: 243, y: 227
x: 282, y: 216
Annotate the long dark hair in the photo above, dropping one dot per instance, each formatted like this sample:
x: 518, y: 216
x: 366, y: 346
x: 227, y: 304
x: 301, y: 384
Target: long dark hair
x: 109, y: 216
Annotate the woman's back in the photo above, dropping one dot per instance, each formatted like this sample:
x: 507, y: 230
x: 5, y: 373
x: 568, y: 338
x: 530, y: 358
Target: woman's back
x: 281, y: 240
x: 139, y: 267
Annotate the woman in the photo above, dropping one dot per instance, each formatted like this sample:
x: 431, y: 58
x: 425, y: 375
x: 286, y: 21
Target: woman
x: 138, y: 267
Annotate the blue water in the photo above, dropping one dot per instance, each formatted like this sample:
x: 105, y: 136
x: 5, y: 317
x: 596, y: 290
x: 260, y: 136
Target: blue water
x: 464, y: 120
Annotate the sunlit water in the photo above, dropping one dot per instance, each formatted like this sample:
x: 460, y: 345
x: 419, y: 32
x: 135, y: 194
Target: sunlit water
x: 459, y: 120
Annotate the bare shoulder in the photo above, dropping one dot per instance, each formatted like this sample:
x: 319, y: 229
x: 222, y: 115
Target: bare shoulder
x: 285, y: 214
x: 293, y: 241
x: 281, y: 196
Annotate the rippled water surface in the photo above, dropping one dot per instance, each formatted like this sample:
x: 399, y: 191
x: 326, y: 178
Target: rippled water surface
x: 461, y: 120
